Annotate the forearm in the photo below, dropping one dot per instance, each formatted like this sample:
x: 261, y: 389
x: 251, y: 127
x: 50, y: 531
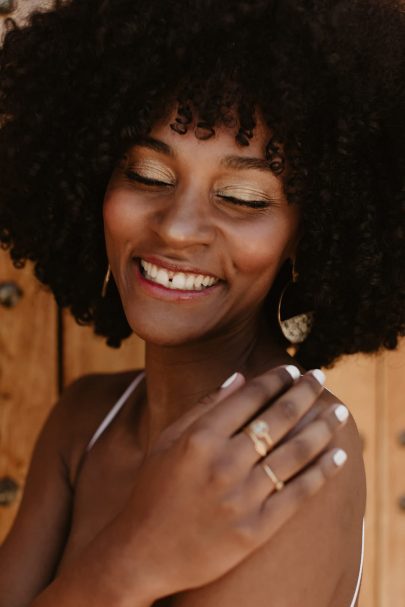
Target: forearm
x: 107, y: 573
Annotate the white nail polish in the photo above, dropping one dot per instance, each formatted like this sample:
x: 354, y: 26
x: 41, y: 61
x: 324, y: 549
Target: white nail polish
x: 230, y: 380
x: 319, y: 375
x: 293, y: 371
x: 341, y: 413
x: 339, y: 457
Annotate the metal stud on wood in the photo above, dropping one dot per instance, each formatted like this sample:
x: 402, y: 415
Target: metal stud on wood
x: 7, y: 6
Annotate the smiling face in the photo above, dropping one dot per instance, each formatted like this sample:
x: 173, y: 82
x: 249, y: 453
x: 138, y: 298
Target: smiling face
x: 196, y: 232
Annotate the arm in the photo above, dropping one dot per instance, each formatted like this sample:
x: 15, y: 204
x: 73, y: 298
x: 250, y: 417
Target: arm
x: 106, y: 573
x: 32, y: 549
x: 313, y: 561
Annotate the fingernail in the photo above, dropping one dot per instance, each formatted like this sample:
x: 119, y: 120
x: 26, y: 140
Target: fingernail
x: 342, y: 413
x: 230, y: 380
x: 293, y: 371
x: 319, y: 375
x: 339, y: 457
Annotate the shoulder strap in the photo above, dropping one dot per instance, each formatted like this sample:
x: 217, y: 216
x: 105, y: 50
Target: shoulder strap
x: 114, y: 410
x: 356, y: 592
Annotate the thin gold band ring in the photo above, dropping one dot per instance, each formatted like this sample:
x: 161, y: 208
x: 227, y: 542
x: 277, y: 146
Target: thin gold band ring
x: 277, y: 482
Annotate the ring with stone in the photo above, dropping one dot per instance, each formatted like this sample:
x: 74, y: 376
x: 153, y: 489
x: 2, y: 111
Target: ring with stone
x: 261, y: 429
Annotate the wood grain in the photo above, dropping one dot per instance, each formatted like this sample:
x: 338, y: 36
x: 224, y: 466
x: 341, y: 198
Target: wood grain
x: 353, y: 381
x: 28, y: 375
x: 83, y: 352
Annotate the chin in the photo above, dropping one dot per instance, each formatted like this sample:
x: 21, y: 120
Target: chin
x: 168, y: 332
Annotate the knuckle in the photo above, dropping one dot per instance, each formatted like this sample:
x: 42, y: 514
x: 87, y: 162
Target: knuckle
x: 324, y: 429
x: 302, y: 449
x: 289, y: 410
x: 198, y: 441
x: 256, y: 389
x: 231, y: 507
x: 221, y: 474
x: 309, y: 483
x: 209, y: 399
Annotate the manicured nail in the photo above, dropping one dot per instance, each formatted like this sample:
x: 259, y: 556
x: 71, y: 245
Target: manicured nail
x: 341, y: 412
x: 293, y: 371
x: 319, y: 375
x: 230, y: 380
x: 339, y: 457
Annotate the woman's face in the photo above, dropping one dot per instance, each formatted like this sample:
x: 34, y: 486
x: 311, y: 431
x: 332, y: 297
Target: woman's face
x: 196, y: 232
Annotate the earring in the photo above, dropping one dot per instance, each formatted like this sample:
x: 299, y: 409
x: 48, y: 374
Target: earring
x: 106, y: 281
x: 296, y: 328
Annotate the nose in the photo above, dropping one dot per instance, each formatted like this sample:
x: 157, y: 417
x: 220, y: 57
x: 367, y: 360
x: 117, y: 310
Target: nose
x: 185, y: 221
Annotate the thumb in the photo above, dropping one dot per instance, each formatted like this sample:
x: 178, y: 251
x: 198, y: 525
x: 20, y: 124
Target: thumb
x: 230, y: 385
x: 233, y: 383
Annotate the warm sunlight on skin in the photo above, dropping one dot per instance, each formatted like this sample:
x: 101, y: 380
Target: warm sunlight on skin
x: 203, y: 210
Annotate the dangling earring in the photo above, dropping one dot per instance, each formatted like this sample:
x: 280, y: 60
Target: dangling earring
x: 106, y: 280
x: 296, y: 328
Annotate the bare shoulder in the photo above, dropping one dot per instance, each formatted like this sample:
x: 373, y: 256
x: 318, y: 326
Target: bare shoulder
x: 83, y: 404
x: 35, y: 543
x: 314, y: 559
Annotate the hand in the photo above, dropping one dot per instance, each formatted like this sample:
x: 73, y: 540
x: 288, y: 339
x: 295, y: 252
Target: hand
x: 202, y: 500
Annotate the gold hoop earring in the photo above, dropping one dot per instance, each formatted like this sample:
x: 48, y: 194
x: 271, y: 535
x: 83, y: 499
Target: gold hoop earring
x: 106, y: 281
x: 296, y: 328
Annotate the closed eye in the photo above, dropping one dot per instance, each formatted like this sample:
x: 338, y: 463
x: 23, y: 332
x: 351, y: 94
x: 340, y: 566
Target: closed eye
x: 134, y: 176
x: 253, y: 204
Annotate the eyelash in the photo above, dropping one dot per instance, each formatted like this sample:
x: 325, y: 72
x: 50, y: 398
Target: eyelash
x: 253, y: 204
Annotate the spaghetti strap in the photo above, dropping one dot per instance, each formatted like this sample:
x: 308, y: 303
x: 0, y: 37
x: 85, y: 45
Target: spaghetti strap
x: 114, y: 410
x: 356, y: 592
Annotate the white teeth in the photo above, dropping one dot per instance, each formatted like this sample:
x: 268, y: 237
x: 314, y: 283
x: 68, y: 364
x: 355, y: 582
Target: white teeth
x: 198, y: 281
x: 177, y: 280
x: 189, y: 282
x: 162, y: 278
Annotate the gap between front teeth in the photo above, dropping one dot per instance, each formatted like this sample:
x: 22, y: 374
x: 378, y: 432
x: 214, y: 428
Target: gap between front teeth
x: 179, y: 280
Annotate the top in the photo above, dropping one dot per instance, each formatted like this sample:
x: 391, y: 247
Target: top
x: 118, y: 406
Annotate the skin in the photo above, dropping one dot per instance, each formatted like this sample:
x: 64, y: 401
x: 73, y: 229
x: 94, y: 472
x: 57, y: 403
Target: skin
x: 179, y: 437
x: 189, y: 223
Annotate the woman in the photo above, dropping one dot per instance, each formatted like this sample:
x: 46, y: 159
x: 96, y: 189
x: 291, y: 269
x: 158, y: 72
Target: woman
x: 224, y: 180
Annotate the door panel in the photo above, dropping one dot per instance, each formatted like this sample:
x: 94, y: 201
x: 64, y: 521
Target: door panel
x: 28, y: 377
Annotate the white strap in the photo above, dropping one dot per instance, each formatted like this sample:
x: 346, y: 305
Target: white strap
x: 356, y: 592
x: 114, y: 411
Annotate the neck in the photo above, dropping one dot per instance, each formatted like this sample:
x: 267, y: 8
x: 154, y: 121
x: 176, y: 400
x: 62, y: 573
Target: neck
x: 177, y: 377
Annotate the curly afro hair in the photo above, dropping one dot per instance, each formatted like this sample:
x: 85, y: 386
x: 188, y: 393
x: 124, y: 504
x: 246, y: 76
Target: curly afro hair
x: 79, y: 82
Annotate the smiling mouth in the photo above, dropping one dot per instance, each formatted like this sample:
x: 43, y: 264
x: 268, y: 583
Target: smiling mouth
x: 180, y: 281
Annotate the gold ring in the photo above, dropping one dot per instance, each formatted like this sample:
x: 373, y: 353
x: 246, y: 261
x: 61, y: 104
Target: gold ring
x: 277, y: 482
x: 258, y: 444
x: 261, y: 429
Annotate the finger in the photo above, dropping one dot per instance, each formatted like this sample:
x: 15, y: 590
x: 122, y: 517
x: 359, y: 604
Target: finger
x: 231, y: 385
x: 281, y: 505
x: 293, y: 456
x: 281, y: 416
x: 236, y: 408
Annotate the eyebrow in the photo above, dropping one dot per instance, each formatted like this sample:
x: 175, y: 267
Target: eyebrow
x: 146, y: 141
x: 230, y: 162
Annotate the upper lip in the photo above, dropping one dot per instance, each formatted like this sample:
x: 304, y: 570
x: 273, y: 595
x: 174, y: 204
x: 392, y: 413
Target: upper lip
x: 175, y: 267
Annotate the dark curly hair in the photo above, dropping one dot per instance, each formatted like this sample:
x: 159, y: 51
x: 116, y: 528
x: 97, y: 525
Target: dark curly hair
x: 80, y: 82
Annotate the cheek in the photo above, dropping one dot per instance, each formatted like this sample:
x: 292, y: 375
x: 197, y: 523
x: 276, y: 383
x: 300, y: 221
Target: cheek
x: 121, y: 217
x: 261, y: 248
